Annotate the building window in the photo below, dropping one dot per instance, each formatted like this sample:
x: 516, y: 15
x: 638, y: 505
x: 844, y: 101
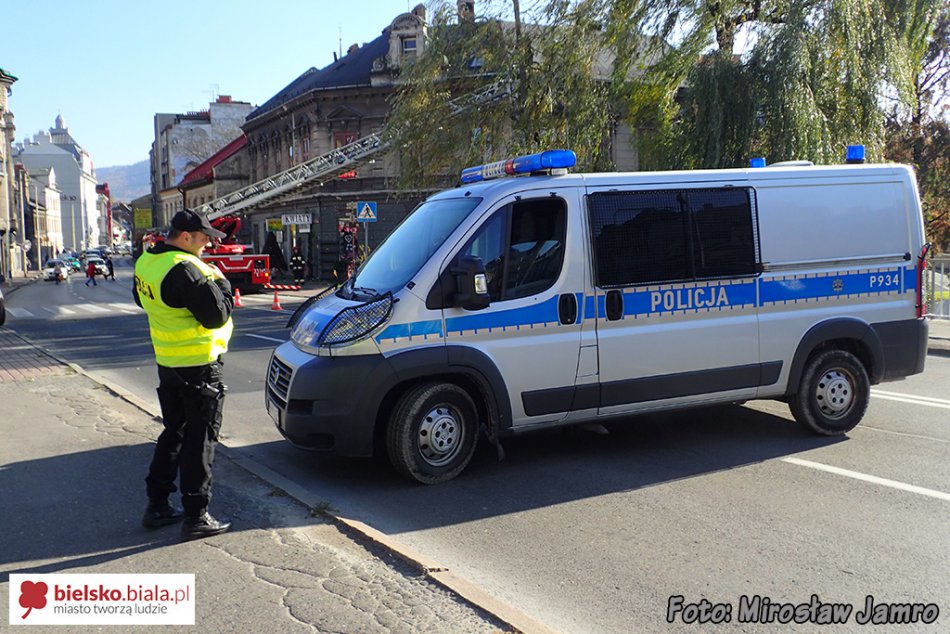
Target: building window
x: 408, y: 47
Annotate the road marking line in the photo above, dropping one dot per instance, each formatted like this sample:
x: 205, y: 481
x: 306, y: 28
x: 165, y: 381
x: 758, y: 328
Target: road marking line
x: 911, y: 401
x: 93, y: 308
x: 127, y: 306
x: 61, y: 310
x: 267, y: 338
x: 20, y: 312
x: 876, y: 391
x: 900, y: 433
x: 894, y: 484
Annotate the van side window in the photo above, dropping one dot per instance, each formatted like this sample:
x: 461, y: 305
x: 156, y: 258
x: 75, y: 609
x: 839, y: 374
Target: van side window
x: 522, y: 247
x: 672, y: 235
x: 724, y: 236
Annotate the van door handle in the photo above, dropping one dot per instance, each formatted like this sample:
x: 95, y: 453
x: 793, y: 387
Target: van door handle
x: 567, y: 309
x: 614, y: 305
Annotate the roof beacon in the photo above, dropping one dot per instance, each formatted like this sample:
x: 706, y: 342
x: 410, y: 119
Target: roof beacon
x: 855, y: 154
x: 757, y: 162
x: 542, y: 161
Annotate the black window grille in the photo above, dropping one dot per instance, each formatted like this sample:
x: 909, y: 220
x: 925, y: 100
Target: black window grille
x: 644, y: 237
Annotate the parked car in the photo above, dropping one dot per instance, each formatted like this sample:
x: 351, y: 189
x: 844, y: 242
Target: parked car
x: 74, y: 264
x: 100, y: 264
x: 49, y: 271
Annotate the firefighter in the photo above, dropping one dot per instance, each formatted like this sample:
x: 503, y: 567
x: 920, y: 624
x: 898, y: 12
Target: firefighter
x: 297, y: 266
x: 188, y: 304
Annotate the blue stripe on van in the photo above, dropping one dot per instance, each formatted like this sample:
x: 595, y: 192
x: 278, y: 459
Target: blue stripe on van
x: 686, y: 298
x: 412, y: 329
x: 543, y: 313
x: 590, y: 307
x: 910, y: 279
x: 689, y: 298
x: 807, y: 288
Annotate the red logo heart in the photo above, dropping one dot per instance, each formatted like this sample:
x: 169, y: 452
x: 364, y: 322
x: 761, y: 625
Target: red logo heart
x: 32, y: 595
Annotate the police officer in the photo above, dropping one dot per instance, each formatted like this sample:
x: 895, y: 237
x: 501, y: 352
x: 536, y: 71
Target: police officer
x: 188, y: 304
x: 297, y: 266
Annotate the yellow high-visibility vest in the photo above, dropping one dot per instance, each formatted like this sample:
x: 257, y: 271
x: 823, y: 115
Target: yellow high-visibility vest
x: 178, y: 338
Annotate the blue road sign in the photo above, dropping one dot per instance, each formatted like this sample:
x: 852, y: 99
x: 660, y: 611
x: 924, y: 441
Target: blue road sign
x: 366, y: 211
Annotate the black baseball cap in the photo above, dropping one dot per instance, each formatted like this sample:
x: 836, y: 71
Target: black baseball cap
x: 191, y: 220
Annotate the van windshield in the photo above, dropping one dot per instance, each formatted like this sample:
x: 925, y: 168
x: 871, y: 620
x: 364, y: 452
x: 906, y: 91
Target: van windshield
x: 410, y: 245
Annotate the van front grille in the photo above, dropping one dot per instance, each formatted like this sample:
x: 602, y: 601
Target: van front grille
x: 278, y: 378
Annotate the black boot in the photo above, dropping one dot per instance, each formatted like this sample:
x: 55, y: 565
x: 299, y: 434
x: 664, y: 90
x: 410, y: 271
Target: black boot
x: 160, y: 513
x: 198, y: 526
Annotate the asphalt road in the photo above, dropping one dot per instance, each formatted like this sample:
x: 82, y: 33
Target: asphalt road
x: 595, y: 533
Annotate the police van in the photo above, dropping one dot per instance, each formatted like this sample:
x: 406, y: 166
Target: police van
x: 530, y: 297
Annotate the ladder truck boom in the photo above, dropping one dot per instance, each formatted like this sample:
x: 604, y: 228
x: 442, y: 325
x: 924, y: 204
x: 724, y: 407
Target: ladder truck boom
x: 326, y: 165
x: 334, y: 162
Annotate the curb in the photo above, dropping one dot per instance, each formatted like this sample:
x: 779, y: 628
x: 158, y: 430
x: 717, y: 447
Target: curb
x: 9, y: 288
x: 431, y: 569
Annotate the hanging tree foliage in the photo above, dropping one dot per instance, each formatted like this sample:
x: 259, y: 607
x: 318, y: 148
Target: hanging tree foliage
x: 917, y: 131
x: 549, y: 91
x: 811, y: 79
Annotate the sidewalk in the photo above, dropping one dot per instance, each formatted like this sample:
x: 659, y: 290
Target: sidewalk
x: 72, y: 463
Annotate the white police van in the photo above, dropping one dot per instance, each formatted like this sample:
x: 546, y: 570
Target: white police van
x: 513, y: 304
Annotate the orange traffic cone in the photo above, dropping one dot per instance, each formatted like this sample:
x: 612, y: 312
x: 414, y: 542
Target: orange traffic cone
x: 237, y: 298
x: 276, y: 305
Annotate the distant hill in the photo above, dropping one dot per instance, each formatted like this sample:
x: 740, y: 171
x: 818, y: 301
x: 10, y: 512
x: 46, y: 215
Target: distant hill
x: 126, y: 182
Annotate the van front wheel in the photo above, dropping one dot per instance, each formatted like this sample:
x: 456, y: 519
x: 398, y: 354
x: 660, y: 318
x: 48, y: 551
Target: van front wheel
x: 833, y: 394
x: 432, y: 432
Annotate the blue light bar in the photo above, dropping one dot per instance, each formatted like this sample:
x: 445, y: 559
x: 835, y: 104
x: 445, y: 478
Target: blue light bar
x: 757, y: 162
x: 549, y: 159
x: 855, y: 154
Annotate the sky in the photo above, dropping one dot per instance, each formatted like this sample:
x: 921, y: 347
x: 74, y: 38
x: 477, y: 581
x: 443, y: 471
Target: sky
x: 108, y: 66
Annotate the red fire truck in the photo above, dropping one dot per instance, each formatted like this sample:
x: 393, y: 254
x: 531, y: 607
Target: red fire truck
x: 248, y: 272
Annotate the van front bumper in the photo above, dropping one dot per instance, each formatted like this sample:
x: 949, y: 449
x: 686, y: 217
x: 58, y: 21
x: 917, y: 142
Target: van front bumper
x: 325, y: 404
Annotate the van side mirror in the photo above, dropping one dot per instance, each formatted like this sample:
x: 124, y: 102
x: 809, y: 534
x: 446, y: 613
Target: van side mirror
x: 471, y: 282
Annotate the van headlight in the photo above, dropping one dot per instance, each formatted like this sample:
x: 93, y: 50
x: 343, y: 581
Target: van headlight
x: 350, y: 325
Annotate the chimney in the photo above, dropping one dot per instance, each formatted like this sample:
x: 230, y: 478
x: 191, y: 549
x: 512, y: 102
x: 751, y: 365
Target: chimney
x: 420, y: 12
x: 224, y: 98
x: 353, y: 48
x: 466, y: 11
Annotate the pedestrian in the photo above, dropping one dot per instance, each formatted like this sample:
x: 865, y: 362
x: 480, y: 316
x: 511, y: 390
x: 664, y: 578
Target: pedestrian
x: 188, y: 304
x: 58, y: 273
x: 273, y: 250
x: 111, y: 269
x: 297, y: 266
x: 91, y: 273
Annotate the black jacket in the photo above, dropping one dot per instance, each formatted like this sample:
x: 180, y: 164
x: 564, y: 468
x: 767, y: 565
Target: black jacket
x: 184, y: 286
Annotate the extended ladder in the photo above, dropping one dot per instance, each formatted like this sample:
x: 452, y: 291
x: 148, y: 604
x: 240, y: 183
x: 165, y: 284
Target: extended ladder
x: 340, y: 160
x: 333, y: 163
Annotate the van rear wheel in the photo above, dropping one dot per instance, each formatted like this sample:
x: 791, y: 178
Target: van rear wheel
x: 833, y: 394
x: 432, y: 432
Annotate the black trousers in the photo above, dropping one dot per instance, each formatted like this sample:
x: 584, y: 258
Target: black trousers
x: 191, y: 400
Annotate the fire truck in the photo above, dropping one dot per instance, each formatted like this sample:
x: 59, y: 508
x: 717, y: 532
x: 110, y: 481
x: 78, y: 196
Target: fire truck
x: 246, y: 270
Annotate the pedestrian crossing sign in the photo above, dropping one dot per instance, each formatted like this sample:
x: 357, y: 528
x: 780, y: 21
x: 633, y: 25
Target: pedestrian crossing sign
x: 366, y: 211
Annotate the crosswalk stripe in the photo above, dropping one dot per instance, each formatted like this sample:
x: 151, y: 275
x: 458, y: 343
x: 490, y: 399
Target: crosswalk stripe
x: 60, y: 310
x: 20, y: 313
x: 92, y: 308
x: 128, y: 307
